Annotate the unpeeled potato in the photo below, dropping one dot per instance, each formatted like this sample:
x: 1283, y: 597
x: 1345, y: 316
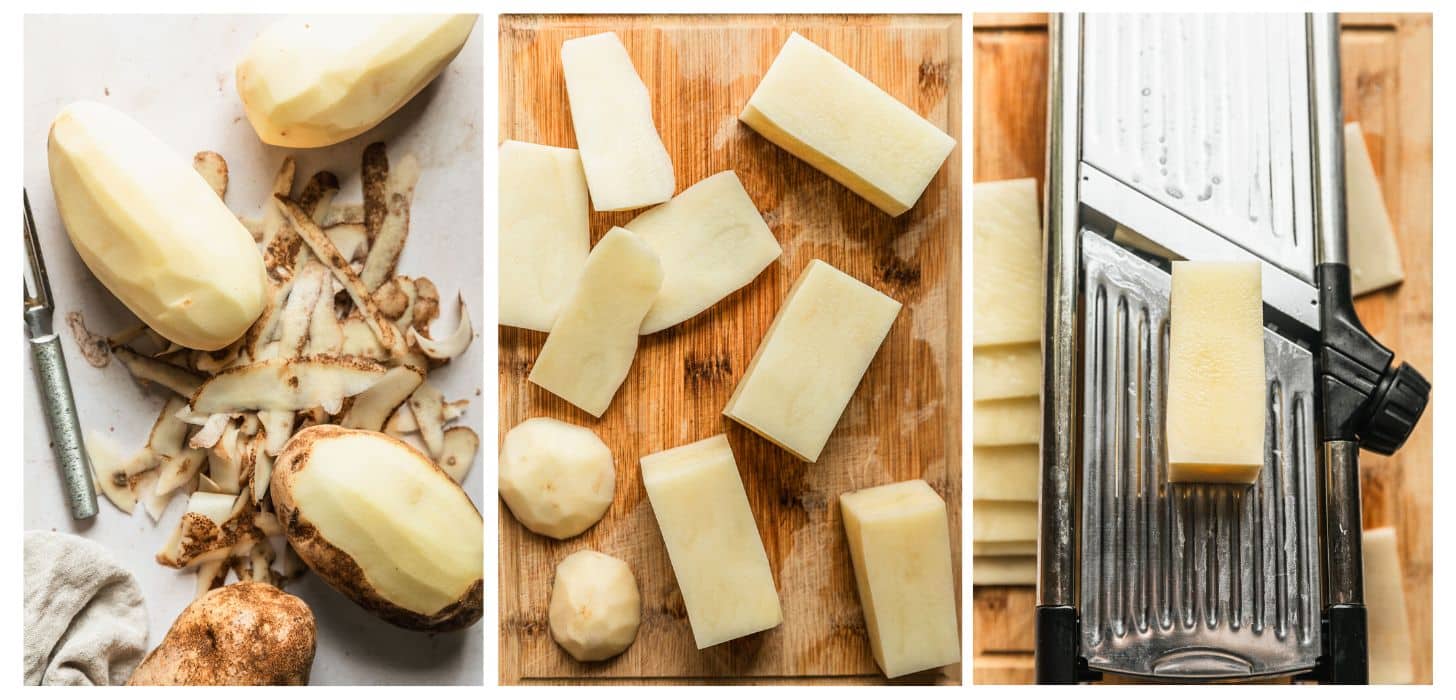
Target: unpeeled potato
x: 382, y: 524
x: 249, y: 633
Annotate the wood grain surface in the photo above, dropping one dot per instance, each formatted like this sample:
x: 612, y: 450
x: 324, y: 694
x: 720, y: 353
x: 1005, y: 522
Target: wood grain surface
x: 903, y: 422
x: 1386, y: 62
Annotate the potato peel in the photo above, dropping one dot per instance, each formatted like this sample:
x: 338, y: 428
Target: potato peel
x: 213, y: 169
x: 343, y: 339
x: 147, y: 370
x: 428, y: 406
x: 389, y: 239
x: 457, y: 452
x: 448, y: 348
x: 291, y: 384
x: 373, y: 406
x: 325, y: 250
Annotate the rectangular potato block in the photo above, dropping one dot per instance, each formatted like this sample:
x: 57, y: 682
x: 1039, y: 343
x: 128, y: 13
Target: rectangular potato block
x: 1385, y: 610
x: 1006, y: 422
x: 590, y: 350
x: 1216, y: 386
x: 1003, y: 521
x: 816, y: 107
x: 626, y: 165
x: 1003, y: 570
x: 1009, y: 473
x: 544, y: 231
x: 1007, y: 265
x: 712, y: 541
x: 711, y: 240
x: 899, y: 541
x: 1374, y: 255
x: 814, y: 356
x: 1006, y: 371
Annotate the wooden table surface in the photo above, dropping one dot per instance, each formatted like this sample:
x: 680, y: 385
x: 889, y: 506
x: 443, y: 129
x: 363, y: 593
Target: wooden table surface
x: 904, y: 421
x: 1386, y: 62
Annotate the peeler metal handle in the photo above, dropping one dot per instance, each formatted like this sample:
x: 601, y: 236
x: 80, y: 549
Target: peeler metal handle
x: 65, y: 428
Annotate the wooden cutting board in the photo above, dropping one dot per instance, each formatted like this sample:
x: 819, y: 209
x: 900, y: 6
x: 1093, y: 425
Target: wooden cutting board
x: 1386, y: 62
x: 904, y: 421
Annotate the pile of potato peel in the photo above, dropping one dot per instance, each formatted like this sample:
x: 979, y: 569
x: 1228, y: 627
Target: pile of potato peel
x: 343, y: 339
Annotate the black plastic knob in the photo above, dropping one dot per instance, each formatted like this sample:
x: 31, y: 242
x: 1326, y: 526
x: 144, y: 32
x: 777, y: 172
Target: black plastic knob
x: 1366, y: 396
x: 1397, y: 407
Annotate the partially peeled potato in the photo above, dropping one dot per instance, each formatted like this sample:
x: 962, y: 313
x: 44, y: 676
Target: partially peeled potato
x: 377, y: 519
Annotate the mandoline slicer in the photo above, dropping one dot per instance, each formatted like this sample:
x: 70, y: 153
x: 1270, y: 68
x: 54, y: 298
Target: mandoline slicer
x: 1213, y: 137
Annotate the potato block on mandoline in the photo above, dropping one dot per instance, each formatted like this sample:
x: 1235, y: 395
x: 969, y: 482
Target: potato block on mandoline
x: 1008, y: 473
x: 592, y: 343
x: 817, y: 108
x: 712, y: 541
x: 1374, y: 255
x: 1006, y: 371
x: 1006, y: 422
x: 1389, y: 626
x: 1216, y: 387
x: 1007, y: 269
x: 1003, y: 521
x: 544, y: 231
x: 899, y: 541
x: 814, y: 356
x: 627, y: 167
x: 711, y: 240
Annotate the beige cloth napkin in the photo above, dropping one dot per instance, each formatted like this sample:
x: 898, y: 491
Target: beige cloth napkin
x: 85, y: 621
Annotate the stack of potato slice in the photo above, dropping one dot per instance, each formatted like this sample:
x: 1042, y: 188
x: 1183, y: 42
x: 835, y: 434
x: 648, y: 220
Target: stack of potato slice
x: 1006, y: 360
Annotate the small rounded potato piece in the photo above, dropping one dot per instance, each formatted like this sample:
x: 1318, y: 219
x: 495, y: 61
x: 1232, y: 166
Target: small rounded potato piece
x: 382, y: 524
x: 595, y: 606
x: 557, y: 478
x: 249, y: 633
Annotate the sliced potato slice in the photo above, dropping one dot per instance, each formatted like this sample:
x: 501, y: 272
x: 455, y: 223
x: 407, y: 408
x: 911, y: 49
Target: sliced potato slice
x: 290, y: 384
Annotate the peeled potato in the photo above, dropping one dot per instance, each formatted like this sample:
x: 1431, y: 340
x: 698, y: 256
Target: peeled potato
x: 308, y: 82
x: 248, y: 633
x: 382, y: 524
x: 557, y: 478
x: 152, y: 229
x: 595, y: 606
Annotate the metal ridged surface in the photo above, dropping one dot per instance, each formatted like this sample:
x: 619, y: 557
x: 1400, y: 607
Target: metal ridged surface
x: 1188, y: 580
x: 1209, y: 115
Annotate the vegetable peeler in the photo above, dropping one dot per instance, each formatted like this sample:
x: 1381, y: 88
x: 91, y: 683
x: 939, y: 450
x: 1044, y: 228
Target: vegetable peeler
x: 55, y: 382
x: 1206, y: 137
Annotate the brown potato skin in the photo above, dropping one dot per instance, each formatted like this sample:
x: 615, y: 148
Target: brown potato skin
x: 336, y: 567
x: 249, y: 633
